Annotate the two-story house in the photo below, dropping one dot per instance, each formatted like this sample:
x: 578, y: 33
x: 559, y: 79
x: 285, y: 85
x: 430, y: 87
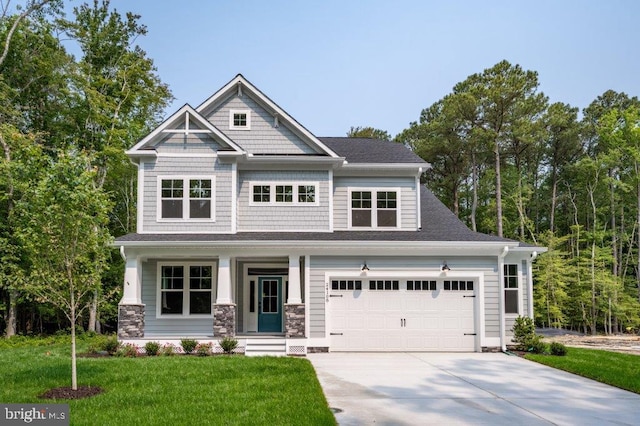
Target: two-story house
x: 251, y: 226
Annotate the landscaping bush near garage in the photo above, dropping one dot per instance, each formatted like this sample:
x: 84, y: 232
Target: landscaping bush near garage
x: 168, y: 390
x: 613, y: 368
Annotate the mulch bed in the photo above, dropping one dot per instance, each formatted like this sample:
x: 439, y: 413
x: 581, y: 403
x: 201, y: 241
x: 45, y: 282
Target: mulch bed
x: 68, y: 393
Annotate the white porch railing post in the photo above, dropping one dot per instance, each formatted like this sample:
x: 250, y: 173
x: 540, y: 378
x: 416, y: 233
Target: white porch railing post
x: 224, y: 280
x: 294, y: 280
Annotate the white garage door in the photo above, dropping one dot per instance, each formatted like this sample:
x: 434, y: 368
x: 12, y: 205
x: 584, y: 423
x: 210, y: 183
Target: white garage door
x: 402, y: 315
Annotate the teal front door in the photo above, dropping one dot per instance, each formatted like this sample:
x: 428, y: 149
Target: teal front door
x: 270, y: 304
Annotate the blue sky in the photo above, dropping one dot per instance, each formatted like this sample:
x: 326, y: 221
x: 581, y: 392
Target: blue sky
x: 335, y: 64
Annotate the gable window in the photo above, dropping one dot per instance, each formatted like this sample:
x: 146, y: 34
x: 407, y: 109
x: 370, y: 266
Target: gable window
x: 240, y: 119
x: 278, y: 193
x: 510, y: 289
x: 186, y: 198
x: 374, y: 209
x: 186, y: 289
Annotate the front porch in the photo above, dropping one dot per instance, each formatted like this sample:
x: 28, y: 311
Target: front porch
x: 167, y: 299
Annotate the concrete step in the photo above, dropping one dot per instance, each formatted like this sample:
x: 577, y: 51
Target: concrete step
x: 266, y: 347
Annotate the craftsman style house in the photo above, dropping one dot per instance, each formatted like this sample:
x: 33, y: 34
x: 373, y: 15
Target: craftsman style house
x: 251, y: 226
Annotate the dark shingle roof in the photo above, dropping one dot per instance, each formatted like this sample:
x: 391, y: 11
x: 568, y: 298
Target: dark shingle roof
x: 438, y: 224
x: 366, y: 150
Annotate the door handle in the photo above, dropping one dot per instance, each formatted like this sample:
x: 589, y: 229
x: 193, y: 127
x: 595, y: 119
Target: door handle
x: 403, y: 322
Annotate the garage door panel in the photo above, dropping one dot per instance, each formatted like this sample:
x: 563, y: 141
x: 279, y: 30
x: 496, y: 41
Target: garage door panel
x: 403, y: 320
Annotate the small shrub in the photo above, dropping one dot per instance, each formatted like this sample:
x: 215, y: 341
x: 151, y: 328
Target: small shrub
x: 152, y: 348
x: 524, y: 332
x: 536, y: 345
x: 110, y: 345
x: 168, y: 350
x: 188, y: 345
x: 228, y: 344
x: 558, y: 349
x: 203, y: 349
x: 128, y: 351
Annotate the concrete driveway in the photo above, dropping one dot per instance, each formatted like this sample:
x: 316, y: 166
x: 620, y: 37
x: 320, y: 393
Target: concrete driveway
x: 470, y: 388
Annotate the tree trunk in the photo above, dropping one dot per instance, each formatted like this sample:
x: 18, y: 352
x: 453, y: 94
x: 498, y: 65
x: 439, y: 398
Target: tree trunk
x: 72, y: 317
x: 474, y: 184
x: 93, y: 312
x: 638, y: 222
x: 498, y: 191
x: 554, y: 195
x: 12, y: 314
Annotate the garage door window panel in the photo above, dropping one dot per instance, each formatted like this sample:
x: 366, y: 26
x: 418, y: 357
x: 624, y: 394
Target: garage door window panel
x: 346, y: 285
x: 422, y: 285
x: 384, y: 285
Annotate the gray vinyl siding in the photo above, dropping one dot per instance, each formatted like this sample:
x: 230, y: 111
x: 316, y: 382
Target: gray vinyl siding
x: 192, y: 143
x: 263, y: 137
x: 283, y: 217
x: 186, y: 166
x: 320, y: 264
x: 167, y: 327
x: 408, y: 198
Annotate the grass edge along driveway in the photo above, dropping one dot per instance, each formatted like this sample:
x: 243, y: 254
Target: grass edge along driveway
x: 170, y: 390
x: 613, y: 368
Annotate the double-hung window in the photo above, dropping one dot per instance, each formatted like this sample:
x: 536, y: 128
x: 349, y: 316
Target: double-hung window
x: 374, y: 209
x: 511, y: 289
x: 185, y: 289
x: 240, y: 119
x: 186, y: 198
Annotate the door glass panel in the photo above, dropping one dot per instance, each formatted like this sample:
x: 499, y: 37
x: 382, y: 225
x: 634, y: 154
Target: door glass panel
x: 270, y: 296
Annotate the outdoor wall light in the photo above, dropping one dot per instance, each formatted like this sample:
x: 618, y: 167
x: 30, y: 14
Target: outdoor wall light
x: 364, y: 267
x: 445, y: 267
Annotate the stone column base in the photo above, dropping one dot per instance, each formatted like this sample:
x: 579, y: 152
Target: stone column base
x: 224, y: 320
x: 294, y: 320
x: 130, y: 321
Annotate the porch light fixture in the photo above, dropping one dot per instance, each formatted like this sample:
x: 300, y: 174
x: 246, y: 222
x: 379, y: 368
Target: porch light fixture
x: 364, y: 268
x: 445, y: 267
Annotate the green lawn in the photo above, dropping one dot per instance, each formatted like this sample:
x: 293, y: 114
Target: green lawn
x: 613, y: 368
x: 170, y: 390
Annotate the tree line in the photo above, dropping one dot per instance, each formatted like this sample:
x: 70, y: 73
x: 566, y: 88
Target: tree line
x: 509, y: 163
x: 66, y: 187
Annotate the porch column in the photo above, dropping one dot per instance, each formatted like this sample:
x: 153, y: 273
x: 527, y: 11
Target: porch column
x: 224, y: 310
x: 294, y: 280
x: 294, y: 308
x: 131, y: 310
x: 224, y: 280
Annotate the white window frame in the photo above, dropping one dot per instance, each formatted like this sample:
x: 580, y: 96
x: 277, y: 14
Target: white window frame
x: 512, y: 289
x: 186, y: 207
x: 185, y: 289
x: 233, y: 112
x: 295, y: 193
x: 374, y: 208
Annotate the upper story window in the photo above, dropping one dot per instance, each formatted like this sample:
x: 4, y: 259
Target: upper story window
x: 284, y: 193
x: 510, y: 289
x: 240, y: 119
x: 374, y: 209
x: 186, y: 198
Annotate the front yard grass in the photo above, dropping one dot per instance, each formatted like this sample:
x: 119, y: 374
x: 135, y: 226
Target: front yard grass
x: 613, y: 368
x: 170, y: 390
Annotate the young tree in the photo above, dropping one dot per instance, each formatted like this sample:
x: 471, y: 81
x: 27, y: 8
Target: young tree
x: 62, y: 226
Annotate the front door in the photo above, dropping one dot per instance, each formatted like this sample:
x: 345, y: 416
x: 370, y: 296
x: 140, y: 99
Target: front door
x: 270, y: 304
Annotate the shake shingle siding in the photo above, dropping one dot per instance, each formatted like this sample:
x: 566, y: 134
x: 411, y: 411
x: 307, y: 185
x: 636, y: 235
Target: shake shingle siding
x: 263, y: 136
x: 164, y: 167
x: 283, y: 216
x: 167, y: 327
x: 341, y: 202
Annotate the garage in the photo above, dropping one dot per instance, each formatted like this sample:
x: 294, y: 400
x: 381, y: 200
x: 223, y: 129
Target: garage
x: 402, y: 314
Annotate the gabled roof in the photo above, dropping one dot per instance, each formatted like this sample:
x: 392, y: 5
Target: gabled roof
x: 439, y: 224
x: 367, y: 150
x: 245, y: 86
x: 188, y: 114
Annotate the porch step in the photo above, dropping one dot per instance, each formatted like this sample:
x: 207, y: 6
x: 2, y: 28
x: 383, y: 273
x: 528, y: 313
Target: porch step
x: 266, y: 347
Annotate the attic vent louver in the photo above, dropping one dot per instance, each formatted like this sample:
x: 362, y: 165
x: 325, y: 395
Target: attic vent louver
x: 275, y: 121
x: 239, y: 90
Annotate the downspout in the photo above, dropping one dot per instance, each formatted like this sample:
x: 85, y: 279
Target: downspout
x: 530, y: 284
x: 122, y: 255
x: 503, y: 343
